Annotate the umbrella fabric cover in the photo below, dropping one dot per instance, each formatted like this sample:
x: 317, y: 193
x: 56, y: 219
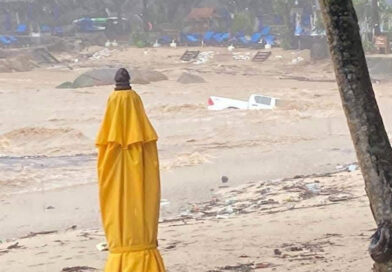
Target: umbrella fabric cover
x: 129, y: 184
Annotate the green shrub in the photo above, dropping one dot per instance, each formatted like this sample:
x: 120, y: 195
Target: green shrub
x: 242, y: 21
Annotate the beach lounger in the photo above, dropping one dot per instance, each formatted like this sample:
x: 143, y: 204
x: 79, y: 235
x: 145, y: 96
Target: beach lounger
x: 261, y: 56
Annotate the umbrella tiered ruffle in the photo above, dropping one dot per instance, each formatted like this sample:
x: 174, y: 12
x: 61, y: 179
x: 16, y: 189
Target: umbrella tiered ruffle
x: 129, y: 183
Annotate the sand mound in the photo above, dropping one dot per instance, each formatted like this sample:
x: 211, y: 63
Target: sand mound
x: 16, y: 64
x: 44, y: 141
x: 151, y: 75
x: 187, y: 78
x: 97, y: 77
x: 103, y: 77
x: 146, y: 76
x: 24, y: 60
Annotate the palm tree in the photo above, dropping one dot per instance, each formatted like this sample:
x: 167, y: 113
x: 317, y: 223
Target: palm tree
x: 367, y: 129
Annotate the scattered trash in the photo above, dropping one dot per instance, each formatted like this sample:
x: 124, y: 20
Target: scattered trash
x: 230, y: 202
x: 220, y: 216
x: 79, y: 269
x: 102, y: 54
x: 50, y: 208
x: 241, y: 56
x: 185, y: 213
x: 73, y: 227
x: 229, y: 210
x: 243, y: 267
x: 238, y: 268
x: 296, y: 248
x: 313, y: 188
x: 263, y: 265
x: 297, y: 60
x: 255, y: 102
x: 14, y: 246
x: 33, y: 234
x: 102, y: 247
x: 165, y: 202
x: 171, y: 246
x: 339, y: 198
x: 204, y: 57
x: 225, y: 179
x: 352, y: 167
x: 301, y: 78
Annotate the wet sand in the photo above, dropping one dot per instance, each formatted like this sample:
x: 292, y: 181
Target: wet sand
x: 48, y: 156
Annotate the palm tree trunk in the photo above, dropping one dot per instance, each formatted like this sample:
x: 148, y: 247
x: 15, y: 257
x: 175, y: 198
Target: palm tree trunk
x: 368, y: 133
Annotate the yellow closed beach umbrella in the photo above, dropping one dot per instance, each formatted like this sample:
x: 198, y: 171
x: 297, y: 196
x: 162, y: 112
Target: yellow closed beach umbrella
x: 129, y: 182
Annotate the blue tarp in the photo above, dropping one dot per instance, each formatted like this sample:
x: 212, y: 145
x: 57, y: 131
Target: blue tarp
x: 22, y: 28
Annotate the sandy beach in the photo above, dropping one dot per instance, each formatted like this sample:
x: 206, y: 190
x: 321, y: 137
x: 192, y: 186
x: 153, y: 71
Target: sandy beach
x: 291, y: 202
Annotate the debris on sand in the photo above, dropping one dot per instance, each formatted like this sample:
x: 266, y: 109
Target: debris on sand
x: 297, y: 60
x: 102, y: 54
x: 204, y: 57
x: 187, y: 78
x: 301, y: 78
x: 270, y: 197
x: 224, y: 179
x: 243, y: 267
x: 241, y: 56
x: 33, y: 234
x: 102, y: 247
x: 79, y: 269
x: 14, y: 246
